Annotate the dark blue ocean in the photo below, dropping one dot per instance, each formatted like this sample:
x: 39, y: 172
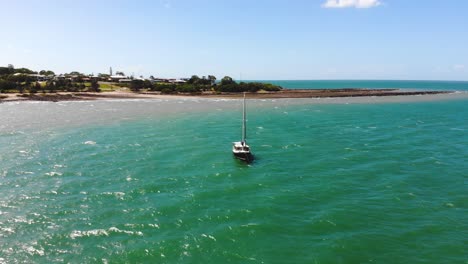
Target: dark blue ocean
x: 381, y: 84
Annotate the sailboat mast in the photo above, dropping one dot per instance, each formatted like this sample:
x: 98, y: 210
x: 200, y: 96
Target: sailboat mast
x: 244, y: 135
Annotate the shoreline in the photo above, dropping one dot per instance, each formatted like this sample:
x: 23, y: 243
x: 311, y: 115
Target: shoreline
x: 283, y: 94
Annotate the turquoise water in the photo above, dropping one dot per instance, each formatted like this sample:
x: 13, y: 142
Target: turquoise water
x: 130, y: 182
x: 382, y: 84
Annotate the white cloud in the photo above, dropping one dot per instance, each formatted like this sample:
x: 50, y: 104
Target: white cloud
x: 459, y: 67
x: 351, y: 3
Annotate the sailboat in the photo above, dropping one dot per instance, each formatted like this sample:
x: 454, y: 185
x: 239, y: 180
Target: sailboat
x: 240, y: 149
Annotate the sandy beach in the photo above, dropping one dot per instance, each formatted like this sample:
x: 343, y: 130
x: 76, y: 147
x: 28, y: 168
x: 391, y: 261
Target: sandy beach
x: 286, y: 93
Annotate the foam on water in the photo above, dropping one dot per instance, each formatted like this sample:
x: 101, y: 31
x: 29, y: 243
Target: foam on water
x: 331, y: 182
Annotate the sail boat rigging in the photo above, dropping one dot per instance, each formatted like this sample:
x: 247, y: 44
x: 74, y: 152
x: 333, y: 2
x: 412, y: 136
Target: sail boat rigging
x: 240, y: 149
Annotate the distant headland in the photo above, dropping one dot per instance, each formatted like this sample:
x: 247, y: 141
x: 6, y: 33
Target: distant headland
x: 18, y: 84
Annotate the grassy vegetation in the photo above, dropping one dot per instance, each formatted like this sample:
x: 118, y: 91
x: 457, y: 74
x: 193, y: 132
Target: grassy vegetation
x: 25, y: 81
x: 106, y: 86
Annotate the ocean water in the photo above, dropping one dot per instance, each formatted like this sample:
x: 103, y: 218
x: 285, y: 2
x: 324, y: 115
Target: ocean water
x: 154, y: 181
x: 377, y: 84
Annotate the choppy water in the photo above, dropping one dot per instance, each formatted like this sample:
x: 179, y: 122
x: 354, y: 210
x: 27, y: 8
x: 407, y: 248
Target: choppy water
x: 155, y: 182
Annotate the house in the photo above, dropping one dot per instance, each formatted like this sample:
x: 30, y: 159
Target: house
x: 116, y: 78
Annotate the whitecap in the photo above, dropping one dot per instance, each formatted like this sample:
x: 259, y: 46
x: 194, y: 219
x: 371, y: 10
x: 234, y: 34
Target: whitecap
x: 96, y: 232
x: 116, y: 230
x: 118, y: 195
x: 7, y: 230
x: 90, y: 143
x: 33, y: 251
x: 209, y: 236
x: 249, y: 224
x: 154, y: 225
x: 53, y: 173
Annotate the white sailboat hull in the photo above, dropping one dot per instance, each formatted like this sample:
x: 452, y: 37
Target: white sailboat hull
x: 240, y: 149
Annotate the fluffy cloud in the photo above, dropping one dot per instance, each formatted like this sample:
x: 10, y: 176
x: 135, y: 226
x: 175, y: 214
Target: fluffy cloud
x: 351, y: 3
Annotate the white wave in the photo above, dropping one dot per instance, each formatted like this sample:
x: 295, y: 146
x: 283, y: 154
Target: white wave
x: 33, y: 251
x: 53, y: 173
x: 154, y: 225
x: 96, y: 232
x: 102, y: 232
x: 209, y: 236
x: 89, y: 142
x: 116, y: 230
x: 7, y: 230
x: 118, y: 195
x: 249, y: 224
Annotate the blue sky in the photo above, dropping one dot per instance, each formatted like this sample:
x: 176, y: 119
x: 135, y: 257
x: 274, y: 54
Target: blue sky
x: 263, y: 39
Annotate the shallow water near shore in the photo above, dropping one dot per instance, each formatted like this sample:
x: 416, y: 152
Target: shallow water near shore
x: 155, y: 181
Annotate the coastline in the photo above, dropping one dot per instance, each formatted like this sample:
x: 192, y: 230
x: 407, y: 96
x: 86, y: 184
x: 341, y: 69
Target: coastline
x: 283, y: 94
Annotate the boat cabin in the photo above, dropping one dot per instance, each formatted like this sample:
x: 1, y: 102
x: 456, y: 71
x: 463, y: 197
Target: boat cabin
x: 241, y: 147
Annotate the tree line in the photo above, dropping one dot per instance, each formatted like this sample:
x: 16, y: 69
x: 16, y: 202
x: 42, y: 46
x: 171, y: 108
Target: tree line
x: 23, y: 79
x: 197, y: 85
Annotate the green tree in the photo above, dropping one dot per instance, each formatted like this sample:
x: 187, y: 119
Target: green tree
x: 136, y: 85
x: 75, y: 73
x: 47, y: 73
x: 24, y: 71
x: 103, y: 75
x: 35, y: 87
x: 148, y: 84
x: 194, y: 79
x: 51, y: 86
x: 227, y: 80
x: 212, y: 79
x: 165, y: 88
x: 21, y: 81
x: 6, y: 71
x: 6, y: 85
x: 187, y: 88
x: 81, y: 87
x: 95, y: 86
